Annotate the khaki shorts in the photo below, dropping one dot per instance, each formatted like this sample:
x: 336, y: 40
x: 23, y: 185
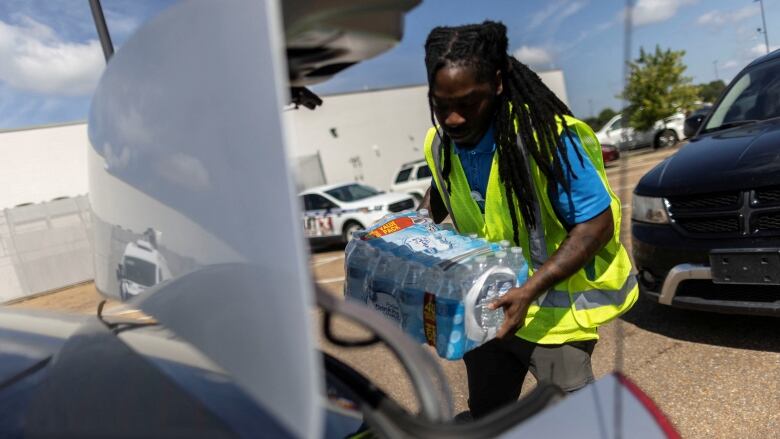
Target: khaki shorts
x: 496, y: 370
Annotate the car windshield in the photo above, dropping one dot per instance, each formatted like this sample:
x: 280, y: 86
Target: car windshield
x: 755, y: 96
x: 139, y: 271
x: 352, y: 192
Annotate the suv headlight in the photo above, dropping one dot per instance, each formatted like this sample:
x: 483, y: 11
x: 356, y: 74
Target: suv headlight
x: 649, y: 210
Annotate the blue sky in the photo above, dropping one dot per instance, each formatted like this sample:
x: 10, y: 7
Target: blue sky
x: 50, y: 59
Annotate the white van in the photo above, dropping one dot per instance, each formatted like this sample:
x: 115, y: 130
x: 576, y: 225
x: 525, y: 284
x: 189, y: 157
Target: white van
x: 142, y: 266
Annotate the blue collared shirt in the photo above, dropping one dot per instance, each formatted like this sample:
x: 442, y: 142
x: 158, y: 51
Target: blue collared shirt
x: 588, y: 196
x: 476, y: 163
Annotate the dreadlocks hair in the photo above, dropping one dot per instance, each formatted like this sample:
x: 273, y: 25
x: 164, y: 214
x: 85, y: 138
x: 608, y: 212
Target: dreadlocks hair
x: 524, y: 100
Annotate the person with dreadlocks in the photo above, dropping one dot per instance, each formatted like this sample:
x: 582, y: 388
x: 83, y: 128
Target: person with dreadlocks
x: 510, y: 162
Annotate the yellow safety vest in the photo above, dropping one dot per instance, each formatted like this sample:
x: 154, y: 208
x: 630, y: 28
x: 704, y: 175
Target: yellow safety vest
x: 575, y: 307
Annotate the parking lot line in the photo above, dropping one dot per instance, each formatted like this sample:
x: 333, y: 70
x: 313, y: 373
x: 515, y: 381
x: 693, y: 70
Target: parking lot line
x: 331, y: 280
x: 328, y: 260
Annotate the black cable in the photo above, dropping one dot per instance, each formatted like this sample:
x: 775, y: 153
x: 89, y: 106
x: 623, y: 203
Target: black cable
x: 326, y: 328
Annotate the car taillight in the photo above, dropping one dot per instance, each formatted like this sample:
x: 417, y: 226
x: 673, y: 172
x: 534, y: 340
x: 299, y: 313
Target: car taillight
x: 660, y: 418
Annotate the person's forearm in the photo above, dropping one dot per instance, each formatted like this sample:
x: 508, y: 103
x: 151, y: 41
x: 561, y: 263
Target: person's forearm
x: 579, y: 247
x: 433, y: 202
x: 425, y: 203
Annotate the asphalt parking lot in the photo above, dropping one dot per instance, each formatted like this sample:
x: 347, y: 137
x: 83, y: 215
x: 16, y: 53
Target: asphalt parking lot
x: 715, y: 376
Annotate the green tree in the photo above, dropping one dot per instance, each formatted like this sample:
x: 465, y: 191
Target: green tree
x: 710, y: 91
x: 657, y: 87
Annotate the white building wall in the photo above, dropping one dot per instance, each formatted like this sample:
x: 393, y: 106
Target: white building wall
x: 42, y: 163
x: 375, y: 131
x: 362, y: 136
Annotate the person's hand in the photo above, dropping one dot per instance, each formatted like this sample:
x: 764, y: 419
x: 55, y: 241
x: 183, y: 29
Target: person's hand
x: 515, y: 303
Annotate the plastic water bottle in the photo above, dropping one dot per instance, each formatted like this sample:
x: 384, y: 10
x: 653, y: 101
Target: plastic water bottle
x: 516, y: 261
x: 496, y: 286
x: 412, y: 295
x: 504, y: 244
x: 480, y: 266
x: 351, y: 246
x: 490, y: 294
x: 433, y: 279
x: 450, y: 333
x: 385, y: 281
x: 473, y: 236
x: 359, y: 264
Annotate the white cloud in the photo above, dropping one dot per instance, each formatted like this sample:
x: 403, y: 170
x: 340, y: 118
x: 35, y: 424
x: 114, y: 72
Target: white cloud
x: 185, y: 171
x: 533, y: 56
x: 730, y: 64
x: 121, y: 25
x: 654, y: 11
x: 720, y: 18
x: 556, y: 12
x: 759, y: 50
x: 34, y: 58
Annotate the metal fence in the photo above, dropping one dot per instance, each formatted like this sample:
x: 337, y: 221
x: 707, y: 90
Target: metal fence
x: 45, y: 246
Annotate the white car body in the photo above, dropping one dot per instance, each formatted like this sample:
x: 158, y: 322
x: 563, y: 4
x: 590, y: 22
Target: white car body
x: 413, y: 178
x: 624, y: 137
x: 326, y: 217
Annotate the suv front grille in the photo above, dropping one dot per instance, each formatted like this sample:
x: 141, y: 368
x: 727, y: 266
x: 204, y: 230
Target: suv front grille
x: 728, y: 214
x: 768, y: 196
x: 714, y: 201
x: 769, y: 222
x: 710, y: 225
x: 401, y: 205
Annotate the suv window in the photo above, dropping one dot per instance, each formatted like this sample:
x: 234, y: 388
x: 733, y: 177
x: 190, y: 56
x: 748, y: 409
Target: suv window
x: 317, y: 202
x: 403, y: 175
x: 616, y: 124
x: 753, y: 97
x: 423, y: 172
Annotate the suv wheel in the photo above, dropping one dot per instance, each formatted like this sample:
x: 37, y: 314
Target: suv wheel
x: 349, y: 229
x: 665, y: 139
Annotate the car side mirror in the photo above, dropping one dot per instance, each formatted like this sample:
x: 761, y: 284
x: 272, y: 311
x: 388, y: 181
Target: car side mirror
x: 692, y: 125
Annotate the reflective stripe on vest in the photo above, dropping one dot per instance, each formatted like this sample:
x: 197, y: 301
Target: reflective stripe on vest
x: 588, y: 299
x: 444, y: 192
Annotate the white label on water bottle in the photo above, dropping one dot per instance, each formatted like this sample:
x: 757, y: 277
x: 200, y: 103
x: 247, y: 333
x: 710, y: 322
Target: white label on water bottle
x: 427, y: 245
x: 387, y: 305
x: 505, y: 286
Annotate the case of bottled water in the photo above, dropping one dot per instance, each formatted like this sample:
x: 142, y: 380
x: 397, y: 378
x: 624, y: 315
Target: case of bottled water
x: 435, y: 284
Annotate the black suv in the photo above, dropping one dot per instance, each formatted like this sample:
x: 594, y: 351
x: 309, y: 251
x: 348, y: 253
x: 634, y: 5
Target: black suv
x: 706, y: 221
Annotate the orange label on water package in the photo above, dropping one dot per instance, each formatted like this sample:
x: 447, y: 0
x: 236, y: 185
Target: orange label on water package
x: 429, y: 318
x: 390, y: 227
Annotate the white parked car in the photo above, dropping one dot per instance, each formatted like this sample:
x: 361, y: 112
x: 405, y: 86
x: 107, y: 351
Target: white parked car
x: 334, y: 212
x: 413, y: 178
x: 666, y: 132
